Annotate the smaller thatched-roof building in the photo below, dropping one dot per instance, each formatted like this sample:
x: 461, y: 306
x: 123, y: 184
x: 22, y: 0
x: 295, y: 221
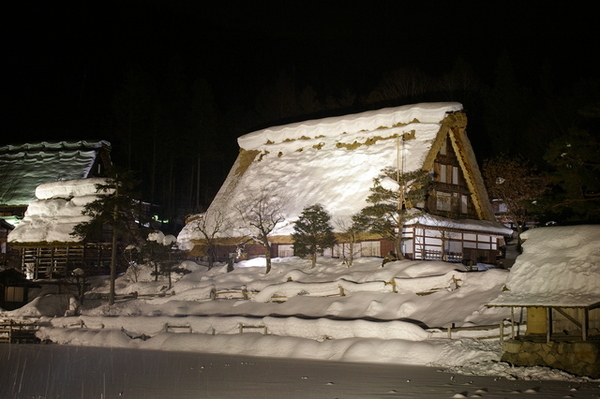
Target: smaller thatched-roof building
x: 557, y: 279
x: 48, y: 250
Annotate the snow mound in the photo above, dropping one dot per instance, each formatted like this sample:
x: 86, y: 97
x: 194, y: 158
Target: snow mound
x: 560, y: 266
x: 56, y: 212
x: 69, y: 189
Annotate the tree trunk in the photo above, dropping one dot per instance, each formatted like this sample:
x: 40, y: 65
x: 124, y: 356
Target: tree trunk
x: 398, y: 246
x: 313, y: 260
x: 211, y: 256
x: 268, y: 257
x: 519, y: 241
x: 113, y: 269
x: 351, y: 254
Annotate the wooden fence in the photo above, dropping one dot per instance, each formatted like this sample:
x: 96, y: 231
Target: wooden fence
x: 505, y: 329
x: 15, y: 332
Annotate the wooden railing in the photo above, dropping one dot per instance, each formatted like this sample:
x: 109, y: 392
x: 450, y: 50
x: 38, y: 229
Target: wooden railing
x: 15, y: 332
x: 501, y: 331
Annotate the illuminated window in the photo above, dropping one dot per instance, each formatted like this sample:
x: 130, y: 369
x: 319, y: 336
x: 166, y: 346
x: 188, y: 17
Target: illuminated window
x: 443, y: 173
x: 443, y: 201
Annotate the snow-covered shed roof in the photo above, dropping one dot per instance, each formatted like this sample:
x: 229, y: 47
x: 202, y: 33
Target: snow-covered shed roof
x: 333, y: 161
x: 57, y: 210
x: 23, y: 167
x: 559, y: 267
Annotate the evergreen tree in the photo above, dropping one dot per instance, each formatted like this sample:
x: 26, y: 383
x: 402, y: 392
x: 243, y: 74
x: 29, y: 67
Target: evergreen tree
x: 395, y: 198
x: 118, y: 211
x: 313, y: 233
x: 575, y: 160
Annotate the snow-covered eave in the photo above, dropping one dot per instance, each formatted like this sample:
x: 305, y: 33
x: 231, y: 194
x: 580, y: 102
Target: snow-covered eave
x: 552, y: 301
x: 483, y: 226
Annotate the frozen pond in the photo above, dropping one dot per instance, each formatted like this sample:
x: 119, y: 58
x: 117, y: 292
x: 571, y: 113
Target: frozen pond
x: 55, y: 371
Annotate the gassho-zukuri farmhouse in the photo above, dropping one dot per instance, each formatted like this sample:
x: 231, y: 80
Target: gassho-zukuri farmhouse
x: 333, y: 161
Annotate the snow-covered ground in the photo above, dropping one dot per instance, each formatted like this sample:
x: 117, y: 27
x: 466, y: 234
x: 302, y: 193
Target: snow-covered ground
x: 366, y: 313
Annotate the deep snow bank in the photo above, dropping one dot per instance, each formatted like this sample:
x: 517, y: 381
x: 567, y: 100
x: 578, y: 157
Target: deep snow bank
x: 560, y: 266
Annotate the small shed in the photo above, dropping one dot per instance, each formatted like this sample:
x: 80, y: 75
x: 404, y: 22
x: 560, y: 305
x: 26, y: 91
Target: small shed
x: 5, y: 228
x: 13, y: 289
x: 48, y: 250
x: 557, y: 280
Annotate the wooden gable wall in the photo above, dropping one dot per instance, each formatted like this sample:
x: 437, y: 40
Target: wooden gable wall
x: 453, y: 129
x: 449, y: 194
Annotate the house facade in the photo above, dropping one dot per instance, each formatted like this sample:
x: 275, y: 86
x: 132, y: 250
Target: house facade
x: 333, y: 162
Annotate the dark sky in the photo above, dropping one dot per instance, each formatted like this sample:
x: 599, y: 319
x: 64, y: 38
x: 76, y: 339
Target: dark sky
x: 65, y: 60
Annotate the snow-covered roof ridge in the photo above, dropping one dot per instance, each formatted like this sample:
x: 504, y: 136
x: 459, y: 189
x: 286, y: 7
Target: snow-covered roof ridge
x: 560, y: 266
x: 54, y: 145
x: 368, y: 121
x: 31, y: 164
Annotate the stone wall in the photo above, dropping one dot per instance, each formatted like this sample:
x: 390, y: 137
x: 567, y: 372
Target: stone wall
x: 580, y: 358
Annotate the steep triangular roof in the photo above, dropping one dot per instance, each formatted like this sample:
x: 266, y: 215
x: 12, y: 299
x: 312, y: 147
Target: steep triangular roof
x: 23, y: 167
x: 333, y: 161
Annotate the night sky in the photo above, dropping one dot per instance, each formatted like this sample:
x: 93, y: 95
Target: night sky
x: 66, y: 62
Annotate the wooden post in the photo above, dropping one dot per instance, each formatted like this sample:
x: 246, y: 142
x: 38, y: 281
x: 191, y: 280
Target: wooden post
x: 585, y: 324
x: 548, y: 324
x: 512, y: 322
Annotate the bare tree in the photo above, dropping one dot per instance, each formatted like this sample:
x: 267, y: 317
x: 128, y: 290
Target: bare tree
x: 350, y: 234
x: 261, y: 215
x: 210, y: 224
x: 518, y: 185
x: 401, y: 84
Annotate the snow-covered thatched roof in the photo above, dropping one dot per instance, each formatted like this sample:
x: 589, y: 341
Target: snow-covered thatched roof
x: 23, y: 167
x: 559, y: 267
x: 333, y: 162
x: 57, y: 210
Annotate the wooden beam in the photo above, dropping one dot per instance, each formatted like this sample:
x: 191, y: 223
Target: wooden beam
x: 572, y: 319
x: 548, y: 324
x: 586, y: 324
x: 512, y: 322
